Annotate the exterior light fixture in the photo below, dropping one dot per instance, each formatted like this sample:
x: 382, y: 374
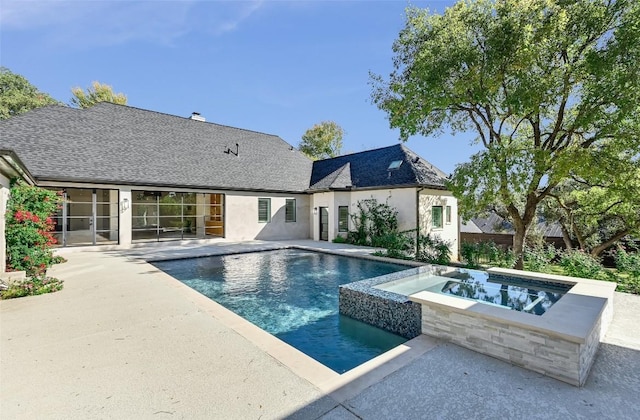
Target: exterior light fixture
x: 124, y: 205
x: 315, y: 211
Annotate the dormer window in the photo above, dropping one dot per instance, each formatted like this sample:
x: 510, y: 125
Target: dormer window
x: 394, y: 165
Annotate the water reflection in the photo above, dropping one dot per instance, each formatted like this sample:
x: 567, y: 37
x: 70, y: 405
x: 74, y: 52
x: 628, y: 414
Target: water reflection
x: 514, y: 295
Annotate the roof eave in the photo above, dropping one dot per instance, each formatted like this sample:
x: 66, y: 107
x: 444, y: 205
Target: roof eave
x: 162, y: 185
x: 19, y: 169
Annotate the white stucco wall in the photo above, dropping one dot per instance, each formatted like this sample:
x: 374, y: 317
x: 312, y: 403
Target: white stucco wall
x: 449, y: 231
x: 4, y: 197
x: 324, y: 199
x: 241, y: 217
x: 124, y: 230
x: 402, y: 199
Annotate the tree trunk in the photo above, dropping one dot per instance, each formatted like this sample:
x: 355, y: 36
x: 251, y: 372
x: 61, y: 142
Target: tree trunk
x: 566, y: 237
x: 518, y: 245
x: 595, y: 252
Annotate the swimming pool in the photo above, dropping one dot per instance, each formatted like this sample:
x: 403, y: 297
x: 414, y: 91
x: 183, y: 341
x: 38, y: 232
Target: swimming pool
x: 293, y: 294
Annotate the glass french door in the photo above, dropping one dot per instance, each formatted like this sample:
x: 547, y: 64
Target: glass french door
x: 324, y: 224
x: 87, y: 217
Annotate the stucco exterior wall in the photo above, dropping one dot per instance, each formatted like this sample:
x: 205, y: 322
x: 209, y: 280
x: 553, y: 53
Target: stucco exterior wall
x: 241, y: 217
x: 449, y: 231
x: 4, y: 197
x: 402, y: 199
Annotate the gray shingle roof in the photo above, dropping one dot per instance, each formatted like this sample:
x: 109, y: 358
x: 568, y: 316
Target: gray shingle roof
x: 493, y: 223
x: 119, y: 144
x: 370, y: 169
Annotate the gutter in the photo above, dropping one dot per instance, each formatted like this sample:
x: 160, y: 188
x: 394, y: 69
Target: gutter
x: 418, y: 219
x: 12, y: 160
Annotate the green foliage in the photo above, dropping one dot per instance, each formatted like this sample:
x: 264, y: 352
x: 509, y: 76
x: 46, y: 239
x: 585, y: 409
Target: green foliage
x: 97, y: 92
x: 537, y: 258
x: 546, y: 85
x: 628, y: 262
x: 340, y: 240
x: 475, y: 253
x: 433, y: 250
x: 600, y: 207
x: 580, y: 264
x: 28, y: 229
x: 470, y: 254
x: 376, y: 225
x: 32, y: 286
x: 323, y: 140
x: 17, y: 95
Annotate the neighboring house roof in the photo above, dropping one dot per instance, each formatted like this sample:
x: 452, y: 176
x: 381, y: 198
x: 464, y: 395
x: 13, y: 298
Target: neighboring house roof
x: 118, y: 144
x: 494, y: 224
x: 469, y: 227
x: 371, y: 169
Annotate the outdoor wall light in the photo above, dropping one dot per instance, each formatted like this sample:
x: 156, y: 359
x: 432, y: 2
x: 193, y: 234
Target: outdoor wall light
x: 315, y: 211
x: 124, y: 205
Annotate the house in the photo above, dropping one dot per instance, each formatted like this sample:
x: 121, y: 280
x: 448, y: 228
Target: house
x: 394, y: 175
x: 494, y: 228
x: 130, y: 175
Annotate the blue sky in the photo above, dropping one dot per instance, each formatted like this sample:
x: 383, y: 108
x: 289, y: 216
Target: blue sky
x: 272, y: 66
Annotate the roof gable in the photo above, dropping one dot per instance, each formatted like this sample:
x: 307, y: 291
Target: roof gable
x: 370, y: 169
x: 338, y: 179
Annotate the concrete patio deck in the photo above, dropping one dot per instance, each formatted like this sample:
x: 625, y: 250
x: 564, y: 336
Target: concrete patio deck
x: 125, y: 340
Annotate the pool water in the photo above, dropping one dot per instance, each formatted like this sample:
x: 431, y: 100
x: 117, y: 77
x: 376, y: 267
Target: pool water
x: 293, y: 294
x: 534, y: 297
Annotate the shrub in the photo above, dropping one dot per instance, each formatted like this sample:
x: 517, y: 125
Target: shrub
x: 29, y: 239
x: 340, y: 240
x: 470, y: 254
x: 32, y: 286
x: 578, y: 263
x: 376, y: 225
x: 628, y: 262
x: 433, y: 250
x: 538, y: 257
x: 473, y: 254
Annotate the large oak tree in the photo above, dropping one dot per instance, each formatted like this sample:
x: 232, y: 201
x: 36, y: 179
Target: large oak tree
x: 545, y: 84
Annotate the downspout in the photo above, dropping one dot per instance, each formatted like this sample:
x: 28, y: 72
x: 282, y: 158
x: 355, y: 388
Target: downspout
x: 418, y: 219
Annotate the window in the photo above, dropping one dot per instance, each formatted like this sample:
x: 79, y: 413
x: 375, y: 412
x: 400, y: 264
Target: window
x: 343, y: 219
x: 447, y: 215
x: 394, y: 165
x: 264, y: 210
x: 172, y: 215
x: 436, y: 217
x: 290, y: 210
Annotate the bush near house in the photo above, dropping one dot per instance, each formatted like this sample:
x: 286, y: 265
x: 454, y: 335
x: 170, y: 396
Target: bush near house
x: 29, y: 239
x: 376, y: 225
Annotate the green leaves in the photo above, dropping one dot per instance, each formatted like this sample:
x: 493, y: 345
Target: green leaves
x: 28, y: 228
x: 543, y: 84
x: 97, y: 92
x: 323, y: 140
x: 17, y: 95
